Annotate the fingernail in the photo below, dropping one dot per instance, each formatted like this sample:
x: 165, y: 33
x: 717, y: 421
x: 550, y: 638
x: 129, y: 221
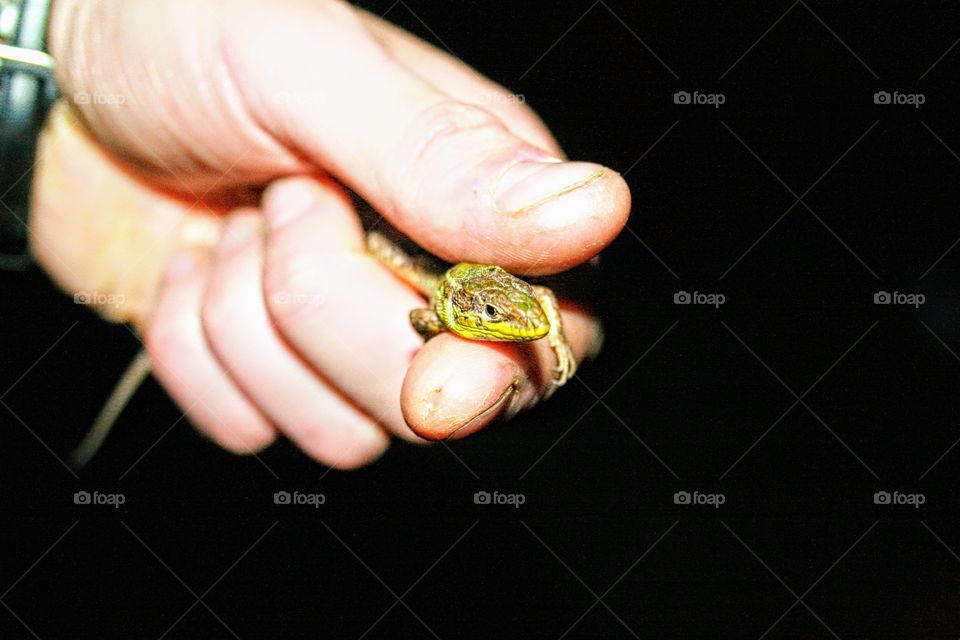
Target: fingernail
x: 288, y: 199
x: 237, y: 233
x: 526, y: 185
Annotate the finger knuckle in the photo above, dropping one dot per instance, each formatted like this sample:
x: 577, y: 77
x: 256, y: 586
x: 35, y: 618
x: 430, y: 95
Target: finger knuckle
x: 292, y: 290
x: 215, y: 310
x: 332, y: 443
x: 241, y: 435
x: 167, y: 338
x: 440, y: 135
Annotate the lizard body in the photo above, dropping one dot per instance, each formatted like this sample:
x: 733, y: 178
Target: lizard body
x: 480, y: 302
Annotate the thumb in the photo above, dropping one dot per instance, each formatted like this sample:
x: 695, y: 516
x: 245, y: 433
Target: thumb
x: 449, y: 173
x: 313, y: 87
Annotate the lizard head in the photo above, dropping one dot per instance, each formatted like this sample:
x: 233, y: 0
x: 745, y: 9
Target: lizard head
x: 484, y: 302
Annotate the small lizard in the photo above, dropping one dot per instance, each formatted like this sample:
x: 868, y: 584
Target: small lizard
x: 475, y: 301
x: 480, y: 302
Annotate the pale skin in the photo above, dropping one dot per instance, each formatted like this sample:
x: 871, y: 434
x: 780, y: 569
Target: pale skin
x: 266, y: 316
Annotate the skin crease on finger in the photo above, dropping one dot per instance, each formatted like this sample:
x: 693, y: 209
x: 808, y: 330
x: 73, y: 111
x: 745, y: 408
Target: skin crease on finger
x: 182, y: 122
x: 463, y: 83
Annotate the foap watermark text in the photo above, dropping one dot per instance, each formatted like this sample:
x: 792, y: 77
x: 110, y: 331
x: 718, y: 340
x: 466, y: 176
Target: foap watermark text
x: 900, y: 499
x: 899, y: 298
x: 697, y: 498
x: 709, y: 299
x: 97, y: 498
x: 910, y: 99
x: 99, y: 299
x: 512, y: 499
x: 699, y: 98
x: 296, y: 498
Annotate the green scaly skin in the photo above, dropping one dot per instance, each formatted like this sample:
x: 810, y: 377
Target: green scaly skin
x: 480, y: 302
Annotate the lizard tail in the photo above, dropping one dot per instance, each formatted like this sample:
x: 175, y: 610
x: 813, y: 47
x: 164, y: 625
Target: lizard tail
x: 136, y: 372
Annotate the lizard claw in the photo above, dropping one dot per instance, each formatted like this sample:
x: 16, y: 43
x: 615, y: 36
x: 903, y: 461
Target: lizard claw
x: 566, y: 364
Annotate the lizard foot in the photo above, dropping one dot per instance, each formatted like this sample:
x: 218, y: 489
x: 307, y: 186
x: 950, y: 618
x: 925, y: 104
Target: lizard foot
x: 566, y: 364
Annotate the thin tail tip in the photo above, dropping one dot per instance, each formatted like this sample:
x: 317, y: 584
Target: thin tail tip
x: 77, y: 461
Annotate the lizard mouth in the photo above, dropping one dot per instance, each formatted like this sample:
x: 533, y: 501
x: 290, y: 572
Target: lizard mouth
x: 506, y: 331
x: 518, y: 330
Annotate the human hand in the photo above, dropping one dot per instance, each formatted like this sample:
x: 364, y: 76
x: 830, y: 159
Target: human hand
x: 267, y: 316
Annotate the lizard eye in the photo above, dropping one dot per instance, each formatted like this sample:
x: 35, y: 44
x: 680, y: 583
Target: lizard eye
x: 490, y: 311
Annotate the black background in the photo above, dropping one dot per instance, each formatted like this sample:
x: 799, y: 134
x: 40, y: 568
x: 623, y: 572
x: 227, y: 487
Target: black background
x: 693, y: 398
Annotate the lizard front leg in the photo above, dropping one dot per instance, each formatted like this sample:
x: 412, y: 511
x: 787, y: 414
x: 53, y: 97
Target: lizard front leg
x: 426, y: 322
x: 566, y: 363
